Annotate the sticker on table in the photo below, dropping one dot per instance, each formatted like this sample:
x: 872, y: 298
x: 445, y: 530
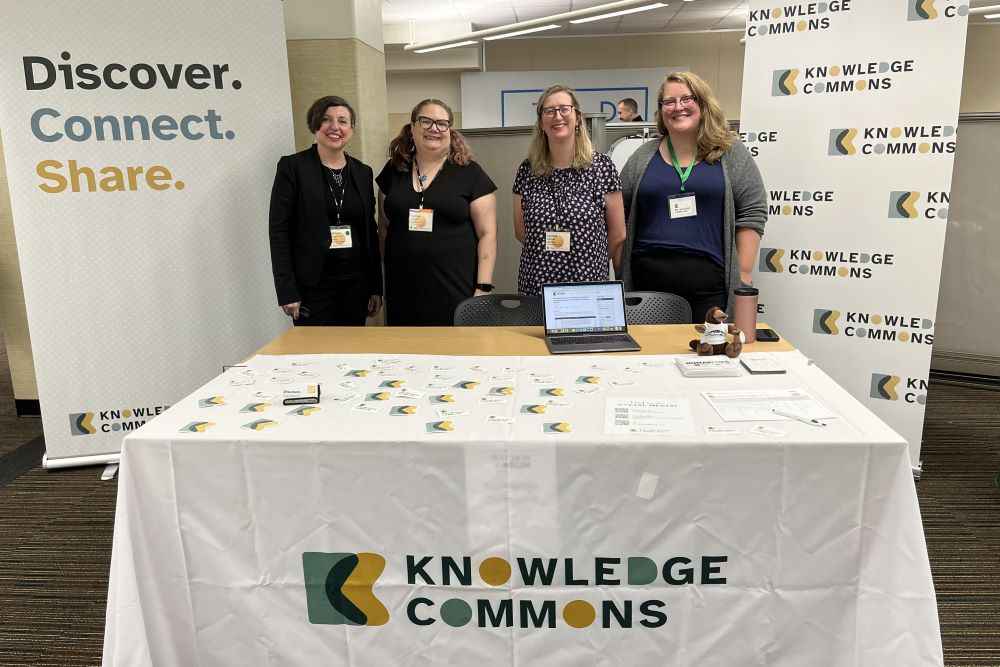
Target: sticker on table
x: 552, y: 391
x: 378, y: 396
x: 211, y: 401
x: 436, y: 385
x: 502, y: 391
x: 533, y: 409
x: 586, y: 391
x: 409, y: 393
x: 498, y: 419
x: 556, y: 427
x: 260, y: 424
x: 467, y: 384
x: 633, y: 371
x: 282, y: 371
x: 413, y: 369
x: 308, y: 375
x: 556, y: 403
x: 767, y: 430
x: 544, y: 379
x: 451, y: 412
x: 402, y: 410
x: 485, y: 400
x: 305, y: 410
x: 442, y: 398
x: 281, y: 379
x: 653, y: 364
x: 196, y: 427
x: 622, y: 383
x: 502, y: 379
x: 242, y: 381
x: 393, y: 384
x: 440, y: 427
x: 301, y: 363
x: 255, y: 407
x: 438, y: 367
x: 263, y: 396
x: 588, y: 379
x: 347, y: 384
x: 360, y: 373
x: 364, y: 407
x: 713, y: 429
x: 479, y: 369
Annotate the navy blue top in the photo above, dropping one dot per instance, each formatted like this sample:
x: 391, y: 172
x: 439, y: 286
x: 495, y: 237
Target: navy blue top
x: 701, y: 233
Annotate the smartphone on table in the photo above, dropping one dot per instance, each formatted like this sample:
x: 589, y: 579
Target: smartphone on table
x: 767, y: 336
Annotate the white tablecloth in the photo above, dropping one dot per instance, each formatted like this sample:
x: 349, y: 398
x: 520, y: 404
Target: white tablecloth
x: 234, y: 541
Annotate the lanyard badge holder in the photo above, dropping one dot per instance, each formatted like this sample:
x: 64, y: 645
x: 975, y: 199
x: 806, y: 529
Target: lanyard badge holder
x: 683, y: 205
x: 421, y: 219
x: 556, y: 240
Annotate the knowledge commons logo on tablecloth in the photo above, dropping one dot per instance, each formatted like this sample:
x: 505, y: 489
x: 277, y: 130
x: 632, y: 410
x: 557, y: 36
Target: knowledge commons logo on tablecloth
x: 340, y: 589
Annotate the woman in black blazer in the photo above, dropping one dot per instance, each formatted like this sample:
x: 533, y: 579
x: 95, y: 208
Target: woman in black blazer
x: 324, y: 240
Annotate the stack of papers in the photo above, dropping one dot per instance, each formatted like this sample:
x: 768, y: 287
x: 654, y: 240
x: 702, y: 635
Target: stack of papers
x: 708, y: 367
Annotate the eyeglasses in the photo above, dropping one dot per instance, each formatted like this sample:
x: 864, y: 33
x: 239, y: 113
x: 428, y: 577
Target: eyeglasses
x: 563, y: 110
x: 684, y: 101
x: 442, y: 125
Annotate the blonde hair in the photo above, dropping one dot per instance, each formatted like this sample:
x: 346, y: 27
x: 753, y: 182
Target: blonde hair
x: 539, y: 156
x: 714, y: 135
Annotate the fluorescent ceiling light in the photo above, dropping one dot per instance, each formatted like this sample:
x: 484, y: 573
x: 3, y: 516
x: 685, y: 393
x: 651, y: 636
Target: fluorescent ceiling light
x: 447, y: 46
x: 992, y: 16
x: 622, y: 12
x: 521, y: 32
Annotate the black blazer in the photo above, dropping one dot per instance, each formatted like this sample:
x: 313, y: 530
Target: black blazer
x: 300, y: 229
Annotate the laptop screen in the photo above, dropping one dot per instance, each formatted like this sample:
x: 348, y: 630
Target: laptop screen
x: 584, y: 307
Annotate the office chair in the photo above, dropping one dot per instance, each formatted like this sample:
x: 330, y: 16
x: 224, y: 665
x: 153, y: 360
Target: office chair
x: 500, y: 310
x: 656, y: 308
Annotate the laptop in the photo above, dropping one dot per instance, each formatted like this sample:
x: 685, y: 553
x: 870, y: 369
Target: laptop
x: 586, y: 317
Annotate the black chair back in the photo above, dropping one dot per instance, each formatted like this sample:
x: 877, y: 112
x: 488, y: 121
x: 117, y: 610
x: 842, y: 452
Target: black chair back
x: 656, y: 308
x: 500, y: 310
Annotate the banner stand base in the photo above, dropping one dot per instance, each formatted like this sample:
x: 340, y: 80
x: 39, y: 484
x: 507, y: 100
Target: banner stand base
x: 79, y: 461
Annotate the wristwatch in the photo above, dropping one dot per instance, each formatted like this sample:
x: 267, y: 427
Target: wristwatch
x: 485, y: 287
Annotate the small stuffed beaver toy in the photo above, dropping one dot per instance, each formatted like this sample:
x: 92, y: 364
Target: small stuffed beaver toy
x: 715, y: 335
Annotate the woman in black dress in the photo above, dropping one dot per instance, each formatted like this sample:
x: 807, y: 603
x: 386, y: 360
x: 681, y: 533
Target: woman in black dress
x: 324, y: 243
x: 437, y: 221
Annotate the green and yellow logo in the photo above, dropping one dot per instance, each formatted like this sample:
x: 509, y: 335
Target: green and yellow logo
x: 825, y: 321
x: 557, y: 427
x: 81, y: 423
x: 339, y: 588
x: 255, y: 407
x: 770, y: 260
x: 305, y: 410
x: 196, y: 427
x: 913, y: 205
x: 884, y: 387
x: 901, y: 204
x: 783, y: 82
x: 260, y: 424
x: 927, y: 10
x: 842, y: 141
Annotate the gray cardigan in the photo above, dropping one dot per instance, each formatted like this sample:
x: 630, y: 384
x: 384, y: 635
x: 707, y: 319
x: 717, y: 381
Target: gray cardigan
x: 745, y: 205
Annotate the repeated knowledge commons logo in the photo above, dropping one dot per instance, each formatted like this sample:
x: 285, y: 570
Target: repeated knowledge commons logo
x: 897, y: 388
x: 339, y: 588
x: 913, y: 205
x: 824, y: 263
x: 892, y: 140
x: 783, y: 82
x: 927, y: 10
x: 81, y: 423
x: 825, y: 321
x: 882, y: 326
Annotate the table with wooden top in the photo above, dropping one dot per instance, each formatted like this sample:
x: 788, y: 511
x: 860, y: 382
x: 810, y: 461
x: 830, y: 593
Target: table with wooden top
x: 461, y: 497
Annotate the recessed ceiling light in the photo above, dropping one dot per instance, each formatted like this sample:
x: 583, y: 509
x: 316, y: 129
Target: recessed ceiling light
x: 655, y: 5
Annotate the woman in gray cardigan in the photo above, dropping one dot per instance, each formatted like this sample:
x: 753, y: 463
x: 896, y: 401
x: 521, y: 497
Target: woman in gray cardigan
x: 695, y: 203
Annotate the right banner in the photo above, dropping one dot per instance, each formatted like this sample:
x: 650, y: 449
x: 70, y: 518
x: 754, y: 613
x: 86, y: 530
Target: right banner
x: 851, y: 109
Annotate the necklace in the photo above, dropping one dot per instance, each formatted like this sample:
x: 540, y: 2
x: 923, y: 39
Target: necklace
x: 338, y: 176
x: 422, y: 178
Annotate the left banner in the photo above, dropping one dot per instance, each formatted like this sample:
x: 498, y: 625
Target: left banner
x: 140, y: 141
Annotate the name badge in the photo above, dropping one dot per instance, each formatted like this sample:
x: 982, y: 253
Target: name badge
x: 557, y: 241
x: 421, y: 220
x: 682, y: 205
x: 340, y: 237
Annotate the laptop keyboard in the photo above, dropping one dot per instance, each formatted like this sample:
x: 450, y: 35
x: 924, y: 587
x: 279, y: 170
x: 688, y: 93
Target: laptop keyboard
x: 590, y: 340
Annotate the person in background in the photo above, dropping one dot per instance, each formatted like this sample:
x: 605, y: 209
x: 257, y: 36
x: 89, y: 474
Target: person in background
x: 628, y: 111
x: 324, y: 241
x: 568, y: 211
x: 437, y: 220
x: 695, y: 202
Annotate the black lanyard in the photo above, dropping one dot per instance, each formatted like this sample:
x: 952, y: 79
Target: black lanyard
x: 421, y: 179
x: 343, y: 188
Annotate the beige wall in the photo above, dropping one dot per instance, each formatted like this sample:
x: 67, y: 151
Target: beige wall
x: 981, y: 83
x: 13, y: 318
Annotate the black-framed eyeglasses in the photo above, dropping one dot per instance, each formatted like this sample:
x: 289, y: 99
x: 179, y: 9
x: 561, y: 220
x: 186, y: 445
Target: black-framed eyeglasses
x: 683, y: 100
x: 442, y: 125
x: 563, y: 110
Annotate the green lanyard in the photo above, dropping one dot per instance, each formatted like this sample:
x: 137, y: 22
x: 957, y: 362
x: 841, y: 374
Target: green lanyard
x: 673, y: 160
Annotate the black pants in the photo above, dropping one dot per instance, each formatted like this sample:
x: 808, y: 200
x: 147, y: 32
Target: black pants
x: 691, y: 275
x: 335, y: 301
